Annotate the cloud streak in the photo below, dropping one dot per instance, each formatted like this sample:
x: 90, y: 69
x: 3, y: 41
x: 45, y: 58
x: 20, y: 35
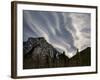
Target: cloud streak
x: 64, y: 30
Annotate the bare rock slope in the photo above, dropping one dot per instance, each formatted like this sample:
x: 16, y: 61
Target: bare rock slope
x: 38, y: 53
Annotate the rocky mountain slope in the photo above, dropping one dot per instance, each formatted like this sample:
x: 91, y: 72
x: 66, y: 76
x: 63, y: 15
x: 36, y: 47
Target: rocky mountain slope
x: 38, y: 53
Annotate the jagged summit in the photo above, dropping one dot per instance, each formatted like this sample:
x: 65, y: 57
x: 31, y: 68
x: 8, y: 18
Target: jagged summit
x: 32, y: 42
x: 38, y: 53
x: 37, y: 42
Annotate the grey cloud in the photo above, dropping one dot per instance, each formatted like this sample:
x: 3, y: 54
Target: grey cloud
x: 63, y: 30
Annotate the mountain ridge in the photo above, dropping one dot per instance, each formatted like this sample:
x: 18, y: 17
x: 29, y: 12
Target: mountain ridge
x: 38, y: 53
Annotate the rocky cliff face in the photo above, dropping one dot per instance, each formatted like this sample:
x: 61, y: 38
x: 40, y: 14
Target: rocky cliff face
x: 38, y: 53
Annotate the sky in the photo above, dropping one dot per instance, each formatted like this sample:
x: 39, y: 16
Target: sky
x: 66, y: 31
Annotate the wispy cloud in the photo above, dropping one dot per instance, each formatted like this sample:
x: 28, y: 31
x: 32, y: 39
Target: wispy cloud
x: 65, y: 31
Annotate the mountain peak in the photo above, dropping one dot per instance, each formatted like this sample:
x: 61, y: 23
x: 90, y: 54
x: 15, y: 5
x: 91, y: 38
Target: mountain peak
x: 38, y: 53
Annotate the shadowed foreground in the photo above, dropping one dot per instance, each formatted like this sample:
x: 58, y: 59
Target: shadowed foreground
x: 38, y: 53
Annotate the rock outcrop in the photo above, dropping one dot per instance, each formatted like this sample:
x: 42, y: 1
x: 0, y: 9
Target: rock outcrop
x: 38, y: 53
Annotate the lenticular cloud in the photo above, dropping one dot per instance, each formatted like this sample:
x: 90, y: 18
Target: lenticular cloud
x: 66, y: 31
